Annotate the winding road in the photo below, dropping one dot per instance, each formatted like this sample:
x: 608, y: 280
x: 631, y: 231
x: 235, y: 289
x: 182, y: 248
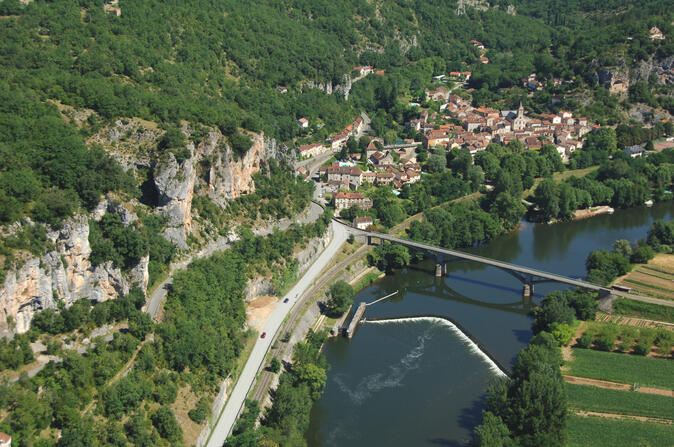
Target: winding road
x: 256, y: 360
x: 310, y: 214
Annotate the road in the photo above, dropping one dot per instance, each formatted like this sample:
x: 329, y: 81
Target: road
x: 157, y: 297
x: 295, y: 326
x: 256, y: 360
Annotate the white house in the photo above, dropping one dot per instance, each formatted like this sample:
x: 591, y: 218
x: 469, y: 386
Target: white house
x: 362, y: 223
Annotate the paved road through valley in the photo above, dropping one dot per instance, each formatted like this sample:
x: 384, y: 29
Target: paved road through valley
x: 256, y: 360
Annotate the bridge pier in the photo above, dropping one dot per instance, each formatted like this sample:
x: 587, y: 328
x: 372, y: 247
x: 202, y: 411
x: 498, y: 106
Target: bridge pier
x: 440, y: 266
x: 527, y: 290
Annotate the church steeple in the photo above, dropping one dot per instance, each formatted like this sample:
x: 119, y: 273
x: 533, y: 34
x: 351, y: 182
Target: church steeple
x: 520, y: 110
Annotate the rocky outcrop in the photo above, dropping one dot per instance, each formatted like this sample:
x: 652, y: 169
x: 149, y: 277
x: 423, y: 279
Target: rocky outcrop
x: 619, y: 77
x: 305, y: 257
x: 662, y: 70
x: 175, y: 186
x: 308, y: 255
x: 343, y: 89
x: 66, y: 274
x: 231, y: 176
x: 616, y: 79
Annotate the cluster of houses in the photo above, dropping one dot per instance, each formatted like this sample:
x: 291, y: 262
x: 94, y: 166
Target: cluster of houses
x: 389, y: 172
x: 333, y: 143
x: 483, y: 125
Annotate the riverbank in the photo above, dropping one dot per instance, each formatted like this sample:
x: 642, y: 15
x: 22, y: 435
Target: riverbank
x: 489, y: 305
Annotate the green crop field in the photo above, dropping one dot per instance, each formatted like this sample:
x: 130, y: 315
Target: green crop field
x: 596, y: 432
x: 631, y: 308
x: 623, y: 368
x: 592, y: 398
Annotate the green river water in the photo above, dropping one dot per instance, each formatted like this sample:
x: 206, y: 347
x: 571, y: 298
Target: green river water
x: 418, y: 381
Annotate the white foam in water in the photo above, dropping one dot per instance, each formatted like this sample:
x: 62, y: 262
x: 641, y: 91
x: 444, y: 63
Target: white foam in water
x: 472, y: 346
x: 391, y: 378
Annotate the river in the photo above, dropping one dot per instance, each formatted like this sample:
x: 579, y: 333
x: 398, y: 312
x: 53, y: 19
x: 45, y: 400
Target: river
x: 421, y: 381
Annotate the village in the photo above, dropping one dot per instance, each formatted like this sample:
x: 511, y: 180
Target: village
x: 451, y: 123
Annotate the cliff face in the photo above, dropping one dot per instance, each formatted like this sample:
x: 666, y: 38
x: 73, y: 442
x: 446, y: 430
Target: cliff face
x: 175, y: 185
x: 64, y: 274
x: 229, y: 176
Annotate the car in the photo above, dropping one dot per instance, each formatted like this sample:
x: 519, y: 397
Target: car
x: 264, y: 334
x: 286, y: 300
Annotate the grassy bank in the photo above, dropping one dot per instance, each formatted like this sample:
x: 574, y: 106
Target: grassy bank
x: 598, y: 431
x: 603, y: 400
x: 649, y: 311
x: 622, y: 368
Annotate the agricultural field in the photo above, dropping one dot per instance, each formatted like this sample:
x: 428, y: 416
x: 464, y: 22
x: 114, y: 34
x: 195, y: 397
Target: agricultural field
x: 602, y: 400
x: 623, y: 368
x: 631, y: 308
x: 620, y: 398
x: 590, y: 431
x: 655, y: 279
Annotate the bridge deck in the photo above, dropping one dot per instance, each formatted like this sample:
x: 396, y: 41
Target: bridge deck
x: 483, y: 260
x: 508, y: 266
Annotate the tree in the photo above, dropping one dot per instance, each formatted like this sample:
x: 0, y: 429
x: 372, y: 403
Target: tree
x: 475, y: 176
x: 547, y: 198
x: 493, y: 432
x: 165, y: 423
x: 489, y: 163
x: 436, y: 163
x: 538, y: 407
x: 390, y: 256
x: 314, y: 376
x: 508, y: 208
x: 274, y: 365
x: 553, y: 309
x: 173, y: 138
x: 623, y: 247
x: 341, y: 297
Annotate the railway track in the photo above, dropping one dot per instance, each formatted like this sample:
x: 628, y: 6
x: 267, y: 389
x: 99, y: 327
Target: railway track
x: 264, y: 381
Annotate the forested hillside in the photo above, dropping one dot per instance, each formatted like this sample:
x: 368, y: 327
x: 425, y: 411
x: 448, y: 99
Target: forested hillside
x: 138, y: 133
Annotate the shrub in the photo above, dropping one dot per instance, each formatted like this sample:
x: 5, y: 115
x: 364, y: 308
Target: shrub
x: 642, y: 348
x: 585, y: 340
x: 166, y: 424
x: 606, y: 338
x: 562, y: 332
x: 274, y: 365
x: 200, y: 412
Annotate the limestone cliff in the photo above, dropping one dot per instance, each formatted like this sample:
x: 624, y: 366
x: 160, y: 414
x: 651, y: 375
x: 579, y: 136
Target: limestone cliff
x: 230, y: 176
x: 64, y: 274
x: 175, y: 185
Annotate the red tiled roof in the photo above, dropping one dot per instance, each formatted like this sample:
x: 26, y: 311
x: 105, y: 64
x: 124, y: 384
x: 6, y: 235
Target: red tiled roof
x: 349, y: 195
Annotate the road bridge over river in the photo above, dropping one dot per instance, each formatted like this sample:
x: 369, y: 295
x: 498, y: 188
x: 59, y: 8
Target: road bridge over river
x: 527, y: 275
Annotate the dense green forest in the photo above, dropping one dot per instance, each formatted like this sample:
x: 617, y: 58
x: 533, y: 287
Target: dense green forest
x: 218, y: 63
x: 85, y: 397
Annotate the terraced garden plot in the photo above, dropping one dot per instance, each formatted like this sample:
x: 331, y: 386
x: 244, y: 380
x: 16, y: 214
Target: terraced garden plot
x: 591, y: 398
x: 645, y: 281
x: 598, y: 431
x: 623, y: 368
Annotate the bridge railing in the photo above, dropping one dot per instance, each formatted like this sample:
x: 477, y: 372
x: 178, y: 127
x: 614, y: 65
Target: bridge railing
x: 478, y: 258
